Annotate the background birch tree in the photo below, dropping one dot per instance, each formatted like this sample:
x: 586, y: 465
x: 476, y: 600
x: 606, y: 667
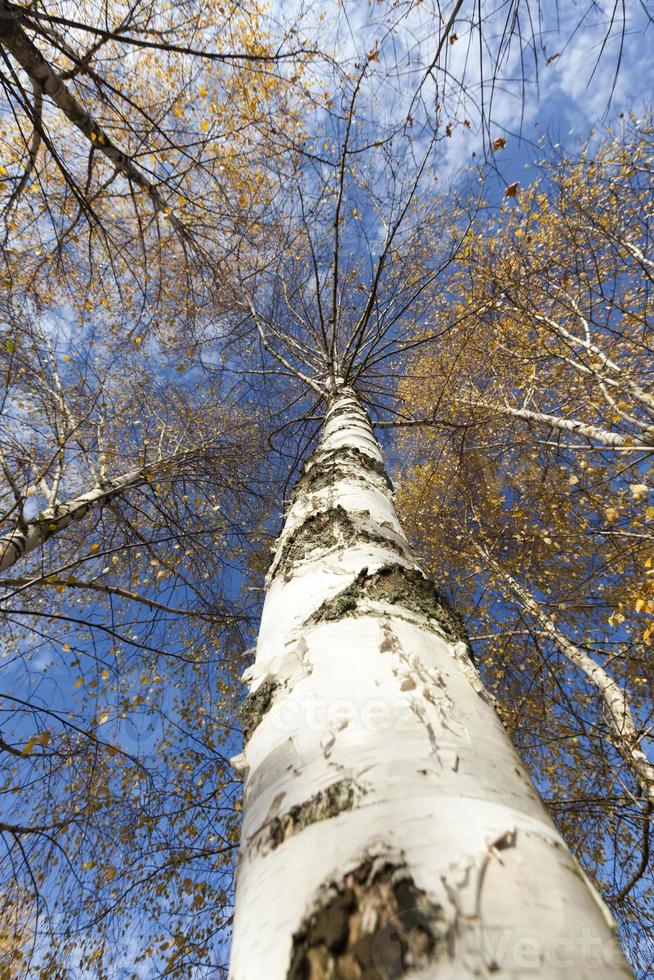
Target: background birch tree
x: 119, y: 631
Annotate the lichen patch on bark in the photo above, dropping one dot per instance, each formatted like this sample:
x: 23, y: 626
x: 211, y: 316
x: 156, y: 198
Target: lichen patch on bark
x: 256, y: 705
x: 374, y: 925
x: 328, y: 530
x: 396, y: 585
x: 336, y: 464
x: 325, y: 529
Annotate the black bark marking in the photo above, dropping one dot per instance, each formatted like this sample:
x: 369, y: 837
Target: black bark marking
x: 374, y: 925
x: 350, y: 407
x: 255, y: 706
x: 396, y: 585
x: 325, y: 804
x: 328, y: 530
x: 325, y: 530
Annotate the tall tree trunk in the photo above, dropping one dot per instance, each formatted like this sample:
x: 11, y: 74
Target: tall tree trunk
x: 389, y: 828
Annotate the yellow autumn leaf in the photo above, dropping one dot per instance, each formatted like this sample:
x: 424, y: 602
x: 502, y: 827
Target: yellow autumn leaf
x: 29, y: 745
x: 42, y: 738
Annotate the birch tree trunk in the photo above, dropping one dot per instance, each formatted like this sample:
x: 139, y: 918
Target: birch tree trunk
x: 28, y: 535
x: 626, y: 737
x: 389, y: 828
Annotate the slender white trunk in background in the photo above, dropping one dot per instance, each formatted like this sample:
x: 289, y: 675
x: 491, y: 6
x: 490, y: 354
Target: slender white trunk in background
x: 389, y: 828
x: 33, y: 533
x: 29, y: 535
x: 591, y: 432
x: 625, y: 734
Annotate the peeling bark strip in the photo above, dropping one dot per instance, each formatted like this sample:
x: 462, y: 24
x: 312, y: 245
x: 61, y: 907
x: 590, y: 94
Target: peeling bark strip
x: 389, y: 828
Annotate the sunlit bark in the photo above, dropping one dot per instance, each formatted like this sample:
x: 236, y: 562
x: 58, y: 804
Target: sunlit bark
x: 389, y: 828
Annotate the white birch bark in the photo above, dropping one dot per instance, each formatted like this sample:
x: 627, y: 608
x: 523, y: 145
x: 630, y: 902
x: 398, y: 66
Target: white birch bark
x: 593, y: 433
x: 625, y: 735
x: 29, y: 535
x: 389, y: 828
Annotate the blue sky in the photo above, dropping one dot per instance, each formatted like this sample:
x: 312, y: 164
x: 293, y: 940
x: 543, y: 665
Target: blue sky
x: 564, y: 82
